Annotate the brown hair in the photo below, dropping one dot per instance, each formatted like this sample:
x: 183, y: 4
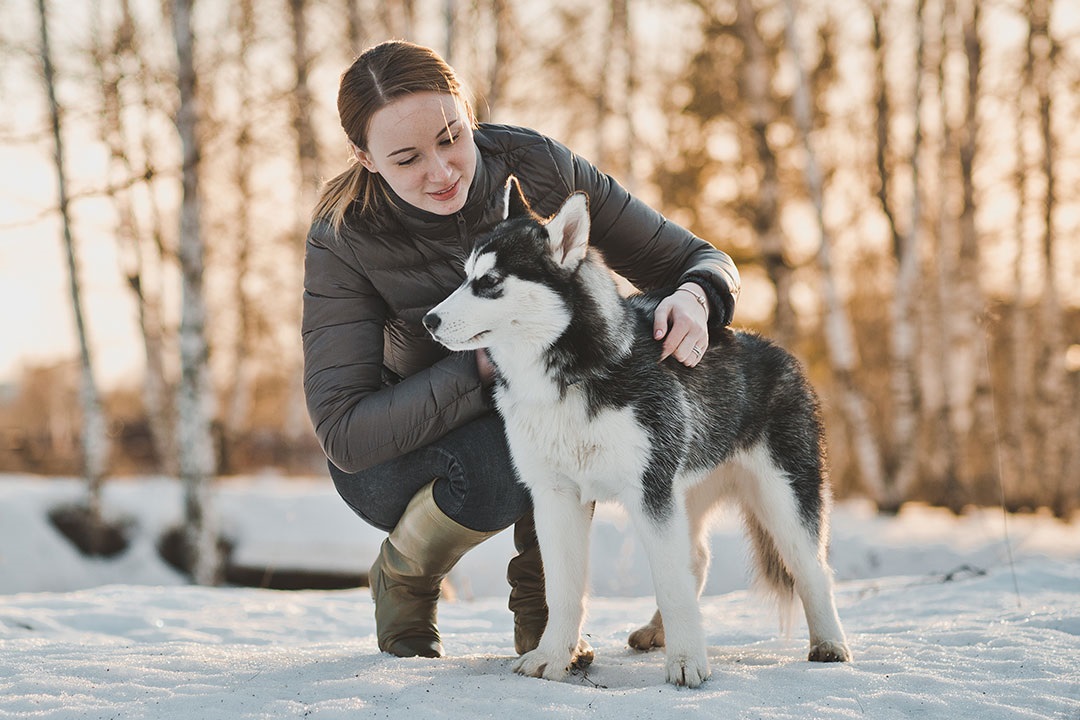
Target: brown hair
x: 380, y: 75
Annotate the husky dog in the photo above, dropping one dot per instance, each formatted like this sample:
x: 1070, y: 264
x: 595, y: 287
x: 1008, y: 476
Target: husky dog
x: 592, y: 414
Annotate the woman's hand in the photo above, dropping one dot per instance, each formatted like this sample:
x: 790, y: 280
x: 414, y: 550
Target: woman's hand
x: 681, y: 321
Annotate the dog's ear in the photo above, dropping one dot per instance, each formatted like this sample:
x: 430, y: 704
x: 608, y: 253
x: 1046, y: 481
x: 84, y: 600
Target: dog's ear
x: 568, y: 231
x: 514, y: 202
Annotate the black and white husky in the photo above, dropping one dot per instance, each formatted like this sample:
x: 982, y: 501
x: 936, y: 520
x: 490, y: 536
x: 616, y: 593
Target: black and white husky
x: 592, y: 414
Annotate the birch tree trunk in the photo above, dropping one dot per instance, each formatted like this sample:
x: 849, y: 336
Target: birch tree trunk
x: 117, y: 136
x: 941, y: 267
x: 193, y: 400
x: 902, y: 463
x: 839, y: 335
x: 95, y: 442
x: 1052, y: 380
x: 1018, y: 434
x: 756, y: 87
x: 239, y: 397
x: 976, y: 420
x: 904, y: 336
x: 882, y: 122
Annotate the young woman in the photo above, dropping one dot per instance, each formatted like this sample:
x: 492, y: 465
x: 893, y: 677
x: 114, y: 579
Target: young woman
x: 414, y: 445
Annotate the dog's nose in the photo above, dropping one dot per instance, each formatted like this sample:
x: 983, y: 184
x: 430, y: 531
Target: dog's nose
x: 432, y: 322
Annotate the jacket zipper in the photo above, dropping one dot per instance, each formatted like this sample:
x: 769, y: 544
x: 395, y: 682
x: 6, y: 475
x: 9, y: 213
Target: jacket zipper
x: 463, y: 235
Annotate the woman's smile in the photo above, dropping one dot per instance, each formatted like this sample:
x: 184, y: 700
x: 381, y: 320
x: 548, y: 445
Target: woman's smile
x: 446, y: 193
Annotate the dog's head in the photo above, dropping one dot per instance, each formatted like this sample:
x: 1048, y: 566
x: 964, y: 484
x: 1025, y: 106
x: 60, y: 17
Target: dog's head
x: 516, y: 279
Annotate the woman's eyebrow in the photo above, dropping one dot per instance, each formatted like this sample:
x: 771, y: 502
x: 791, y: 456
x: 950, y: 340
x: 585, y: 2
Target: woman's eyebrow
x: 447, y: 128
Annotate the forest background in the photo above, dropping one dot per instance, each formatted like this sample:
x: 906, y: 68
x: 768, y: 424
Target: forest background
x: 896, y: 179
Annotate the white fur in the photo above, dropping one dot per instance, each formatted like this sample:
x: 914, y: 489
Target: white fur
x: 753, y: 481
x: 470, y: 322
x: 479, y: 264
x: 766, y: 493
x: 568, y: 459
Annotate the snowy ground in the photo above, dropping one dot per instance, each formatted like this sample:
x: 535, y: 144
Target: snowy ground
x: 940, y: 623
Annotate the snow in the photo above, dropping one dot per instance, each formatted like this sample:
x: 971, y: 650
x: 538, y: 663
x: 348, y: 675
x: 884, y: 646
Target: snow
x: 940, y: 622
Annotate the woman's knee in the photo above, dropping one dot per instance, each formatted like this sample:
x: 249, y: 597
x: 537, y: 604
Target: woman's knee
x: 475, y: 481
x: 479, y: 488
x: 353, y: 490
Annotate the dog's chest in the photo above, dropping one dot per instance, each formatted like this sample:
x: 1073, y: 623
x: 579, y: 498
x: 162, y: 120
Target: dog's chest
x: 560, y: 441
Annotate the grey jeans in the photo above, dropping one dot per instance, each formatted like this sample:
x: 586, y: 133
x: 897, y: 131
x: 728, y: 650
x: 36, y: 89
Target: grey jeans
x: 475, y: 482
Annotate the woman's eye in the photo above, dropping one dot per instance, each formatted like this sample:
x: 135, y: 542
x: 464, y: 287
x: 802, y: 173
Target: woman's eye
x: 409, y: 161
x: 450, y: 140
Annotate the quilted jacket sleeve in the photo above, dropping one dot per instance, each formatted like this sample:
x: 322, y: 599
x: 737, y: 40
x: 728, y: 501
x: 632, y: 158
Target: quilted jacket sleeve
x: 360, y: 421
x: 643, y: 246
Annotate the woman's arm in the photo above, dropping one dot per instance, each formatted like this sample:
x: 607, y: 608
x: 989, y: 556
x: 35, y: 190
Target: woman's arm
x: 650, y: 251
x: 359, y: 421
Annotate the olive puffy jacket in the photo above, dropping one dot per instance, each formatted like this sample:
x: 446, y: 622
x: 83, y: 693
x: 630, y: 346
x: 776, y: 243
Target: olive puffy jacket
x: 377, y: 385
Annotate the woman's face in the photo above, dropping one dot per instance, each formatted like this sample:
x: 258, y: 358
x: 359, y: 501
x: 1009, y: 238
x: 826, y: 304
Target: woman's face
x: 422, y: 145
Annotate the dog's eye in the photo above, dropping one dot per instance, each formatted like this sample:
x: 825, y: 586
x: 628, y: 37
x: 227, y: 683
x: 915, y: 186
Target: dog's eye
x: 486, y: 284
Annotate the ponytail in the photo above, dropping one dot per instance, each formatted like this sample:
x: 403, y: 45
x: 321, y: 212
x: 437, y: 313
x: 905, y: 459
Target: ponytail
x: 355, y: 184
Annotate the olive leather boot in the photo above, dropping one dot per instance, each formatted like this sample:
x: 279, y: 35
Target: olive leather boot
x: 525, y: 573
x: 406, y: 576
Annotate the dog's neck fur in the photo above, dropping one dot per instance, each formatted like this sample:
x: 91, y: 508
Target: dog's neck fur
x: 600, y: 329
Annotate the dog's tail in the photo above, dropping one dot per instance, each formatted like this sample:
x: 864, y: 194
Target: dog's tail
x: 772, y: 574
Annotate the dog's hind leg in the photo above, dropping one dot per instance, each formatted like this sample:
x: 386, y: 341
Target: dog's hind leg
x: 562, y: 529
x: 667, y: 544
x: 791, y: 534
x: 701, y: 500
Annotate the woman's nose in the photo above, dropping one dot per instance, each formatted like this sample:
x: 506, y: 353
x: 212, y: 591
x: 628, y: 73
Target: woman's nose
x: 439, y: 169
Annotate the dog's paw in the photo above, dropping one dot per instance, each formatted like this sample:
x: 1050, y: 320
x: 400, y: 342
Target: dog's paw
x: 647, y: 637
x: 540, y: 664
x: 583, y: 655
x: 829, y: 651
x: 688, y: 670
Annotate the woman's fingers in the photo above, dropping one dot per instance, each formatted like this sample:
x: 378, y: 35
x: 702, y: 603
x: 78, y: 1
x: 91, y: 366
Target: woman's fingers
x: 680, y: 326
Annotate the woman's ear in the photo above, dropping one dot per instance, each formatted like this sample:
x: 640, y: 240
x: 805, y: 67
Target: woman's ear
x: 362, y: 157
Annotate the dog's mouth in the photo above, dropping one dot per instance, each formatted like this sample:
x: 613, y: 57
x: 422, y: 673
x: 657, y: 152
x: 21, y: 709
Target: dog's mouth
x: 479, y: 336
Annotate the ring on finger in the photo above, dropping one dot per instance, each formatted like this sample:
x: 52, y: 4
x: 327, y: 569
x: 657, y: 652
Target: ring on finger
x: 696, y: 350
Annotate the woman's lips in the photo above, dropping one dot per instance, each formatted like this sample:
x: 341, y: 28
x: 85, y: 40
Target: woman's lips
x: 448, y: 193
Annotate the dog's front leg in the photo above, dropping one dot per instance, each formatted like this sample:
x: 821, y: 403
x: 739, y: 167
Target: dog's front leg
x: 667, y: 543
x: 562, y: 529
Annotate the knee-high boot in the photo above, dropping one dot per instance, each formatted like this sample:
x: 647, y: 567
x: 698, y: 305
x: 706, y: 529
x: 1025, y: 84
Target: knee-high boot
x: 525, y: 573
x: 406, y: 576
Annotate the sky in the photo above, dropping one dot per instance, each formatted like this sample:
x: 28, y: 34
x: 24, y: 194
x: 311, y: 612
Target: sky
x: 38, y: 324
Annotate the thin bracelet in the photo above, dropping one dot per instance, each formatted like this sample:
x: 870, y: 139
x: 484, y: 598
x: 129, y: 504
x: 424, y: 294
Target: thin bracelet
x: 700, y: 298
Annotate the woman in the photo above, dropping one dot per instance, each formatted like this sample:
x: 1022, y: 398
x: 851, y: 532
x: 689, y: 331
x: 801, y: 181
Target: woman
x: 413, y: 443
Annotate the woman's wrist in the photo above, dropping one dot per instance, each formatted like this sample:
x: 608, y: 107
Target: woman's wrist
x: 698, y: 294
